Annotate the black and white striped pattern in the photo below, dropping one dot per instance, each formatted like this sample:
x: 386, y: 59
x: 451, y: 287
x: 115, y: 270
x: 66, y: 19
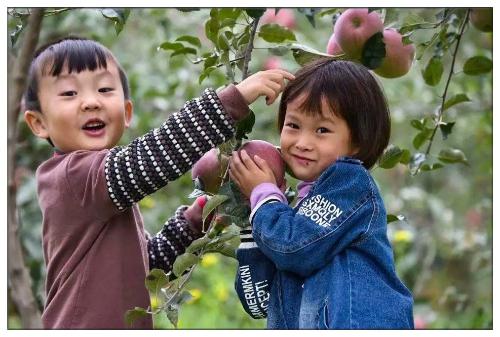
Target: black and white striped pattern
x: 171, y: 241
x: 165, y: 153
x: 246, y: 238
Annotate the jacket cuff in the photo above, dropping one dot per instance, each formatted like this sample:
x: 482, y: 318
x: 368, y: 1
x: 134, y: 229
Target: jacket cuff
x: 233, y: 102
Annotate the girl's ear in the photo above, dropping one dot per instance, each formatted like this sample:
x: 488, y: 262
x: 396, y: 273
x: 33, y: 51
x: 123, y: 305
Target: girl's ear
x: 36, y: 123
x: 129, y: 112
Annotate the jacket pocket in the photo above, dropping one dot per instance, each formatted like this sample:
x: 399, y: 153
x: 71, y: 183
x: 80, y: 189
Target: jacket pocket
x: 323, y: 319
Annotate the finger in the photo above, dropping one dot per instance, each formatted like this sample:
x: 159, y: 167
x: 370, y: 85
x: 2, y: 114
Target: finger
x: 247, y: 161
x: 282, y: 73
x: 263, y: 165
x: 238, y: 165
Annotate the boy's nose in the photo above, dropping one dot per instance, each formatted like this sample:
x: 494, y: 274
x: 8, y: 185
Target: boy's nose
x: 90, y: 103
x: 304, y: 143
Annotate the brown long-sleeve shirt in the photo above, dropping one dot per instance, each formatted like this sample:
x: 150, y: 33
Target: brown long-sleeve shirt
x: 95, y: 249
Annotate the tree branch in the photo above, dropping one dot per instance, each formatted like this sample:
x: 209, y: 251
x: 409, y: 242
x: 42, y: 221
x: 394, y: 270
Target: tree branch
x: 248, y: 50
x: 448, y: 81
x: 19, y: 277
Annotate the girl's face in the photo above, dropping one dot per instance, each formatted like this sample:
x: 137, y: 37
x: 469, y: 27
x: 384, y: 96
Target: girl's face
x: 310, y: 144
x: 83, y: 111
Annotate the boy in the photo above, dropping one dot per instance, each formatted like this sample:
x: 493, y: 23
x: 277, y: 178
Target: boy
x: 95, y: 247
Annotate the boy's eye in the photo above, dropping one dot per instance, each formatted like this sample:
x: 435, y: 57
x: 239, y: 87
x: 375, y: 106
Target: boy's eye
x: 323, y: 130
x: 68, y: 93
x: 106, y: 89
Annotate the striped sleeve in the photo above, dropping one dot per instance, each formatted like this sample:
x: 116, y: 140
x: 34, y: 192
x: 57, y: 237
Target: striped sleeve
x: 165, y: 153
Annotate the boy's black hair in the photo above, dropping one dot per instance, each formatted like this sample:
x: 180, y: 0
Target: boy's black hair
x: 75, y: 53
x: 353, y: 94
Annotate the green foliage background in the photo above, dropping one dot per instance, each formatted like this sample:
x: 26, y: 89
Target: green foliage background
x: 443, y: 247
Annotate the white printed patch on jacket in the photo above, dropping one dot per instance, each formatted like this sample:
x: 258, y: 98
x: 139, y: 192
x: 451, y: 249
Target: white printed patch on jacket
x: 320, y: 210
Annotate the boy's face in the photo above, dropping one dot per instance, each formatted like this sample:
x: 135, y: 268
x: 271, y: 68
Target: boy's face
x: 82, y: 111
x: 310, y: 144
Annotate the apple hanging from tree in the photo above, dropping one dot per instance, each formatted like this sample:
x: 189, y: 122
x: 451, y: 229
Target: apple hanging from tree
x: 285, y: 17
x: 398, y: 57
x: 272, y: 62
x: 354, y: 27
x: 482, y: 19
x: 210, y: 170
x: 270, y: 154
x: 333, y: 47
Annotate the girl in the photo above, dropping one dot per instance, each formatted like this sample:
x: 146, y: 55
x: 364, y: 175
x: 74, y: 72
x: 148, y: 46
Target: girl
x: 327, y: 262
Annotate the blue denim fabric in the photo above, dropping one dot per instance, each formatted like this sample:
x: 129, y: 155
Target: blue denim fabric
x: 333, y: 263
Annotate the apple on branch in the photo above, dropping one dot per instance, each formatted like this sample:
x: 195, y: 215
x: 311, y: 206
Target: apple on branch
x: 482, y: 19
x: 285, y: 17
x: 270, y: 154
x: 398, y: 57
x: 210, y: 169
x: 354, y: 27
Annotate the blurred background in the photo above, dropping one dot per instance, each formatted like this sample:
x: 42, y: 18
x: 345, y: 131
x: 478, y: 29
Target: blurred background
x: 442, y: 246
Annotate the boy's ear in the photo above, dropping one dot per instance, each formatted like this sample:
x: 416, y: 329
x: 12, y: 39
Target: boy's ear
x: 129, y: 112
x: 36, y: 123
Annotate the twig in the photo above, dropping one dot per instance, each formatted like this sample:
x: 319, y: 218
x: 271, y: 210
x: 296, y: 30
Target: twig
x: 448, y: 81
x: 248, y: 50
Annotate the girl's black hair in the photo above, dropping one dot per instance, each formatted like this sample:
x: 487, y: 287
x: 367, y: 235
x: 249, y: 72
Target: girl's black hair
x: 75, y: 53
x: 353, y: 94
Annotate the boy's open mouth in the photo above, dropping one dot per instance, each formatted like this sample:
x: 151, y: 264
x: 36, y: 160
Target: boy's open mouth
x: 93, y: 125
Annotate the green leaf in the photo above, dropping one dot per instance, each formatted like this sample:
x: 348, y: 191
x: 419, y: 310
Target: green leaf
x: 255, y: 12
x: 212, y: 204
x: 421, y: 137
x: 392, y: 218
x: 197, y: 192
x: 279, y: 50
x: 390, y: 157
x: 303, y: 54
x: 273, y: 32
x: 446, y: 129
x: 478, y: 65
x: 15, y: 34
x: 433, y: 71
x: 226, y: 249
x: 373, y: 52
x: 173, y: 315
x: 309, y: 14
x: 155, y: 280
x: 133, y: 314
x: 197, y: 244
x: 172, y: 46
x: 190, y: 39
x: 245, y: 126
x: 189, y: 9
x: 455, y: 100
x: 229, y: 14
x: 205, y: 73
x: 418, y: 124
x: 435, y: 166
x: 331, y: 11
x: 183, y: 262
x: 118, y: 16
x: 405, y: 157
x: 452, y: 156
x: 183, y: 51
x: 212, y: 28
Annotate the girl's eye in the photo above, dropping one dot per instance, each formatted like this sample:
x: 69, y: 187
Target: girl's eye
x: 323, y: 130
x: 292, y: 125
x: 68, y: 93
x: 106, y: 89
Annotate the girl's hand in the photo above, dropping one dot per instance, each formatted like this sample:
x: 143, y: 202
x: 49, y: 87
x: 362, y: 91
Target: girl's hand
x: 269, y: 83
x: 248, y: 173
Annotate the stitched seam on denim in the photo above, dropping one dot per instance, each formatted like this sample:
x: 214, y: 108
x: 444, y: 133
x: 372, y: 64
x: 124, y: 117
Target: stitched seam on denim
x: 319, y: 237
x: 363, y: 237
x: 350, y: 290
x: 262, y: 203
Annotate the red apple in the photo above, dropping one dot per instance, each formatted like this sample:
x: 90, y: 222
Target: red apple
x: 333, y: 47
x: 270, y: 154
x: 354, y: 27
x: 419, y: 322
x: 272, y: 62
x: 398, y: 57
x: 285, y: 17
x: 210, y: 170
x: 482, y: 19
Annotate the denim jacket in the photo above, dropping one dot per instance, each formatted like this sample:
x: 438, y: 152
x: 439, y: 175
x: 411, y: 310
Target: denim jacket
x: 326, y: 263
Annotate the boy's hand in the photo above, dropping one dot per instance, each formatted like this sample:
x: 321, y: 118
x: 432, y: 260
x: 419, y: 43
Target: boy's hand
x: 269, y: 83
x: 248, y: 173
